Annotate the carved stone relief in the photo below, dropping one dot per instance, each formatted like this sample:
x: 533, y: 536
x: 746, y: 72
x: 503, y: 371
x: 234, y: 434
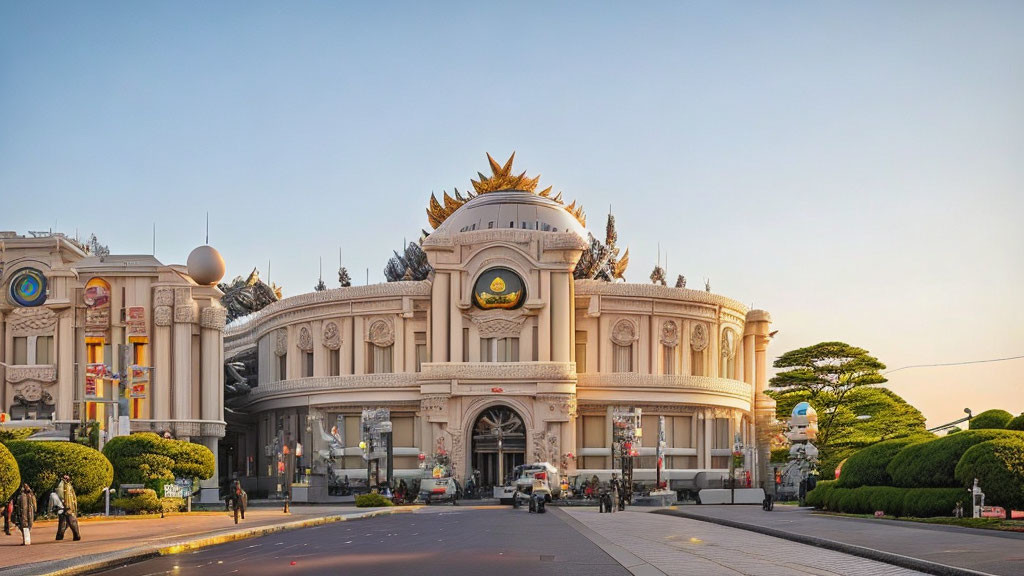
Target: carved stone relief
x: 699, y: 337
x: 32, y: 321
x: 163, y: 297
x: 163, y: 315
x: 213, y: 317
x: 281, y: 342
x: 624, y: 332
x: 185, y: 309
x: 305, y: 340
x: 498, y: 323
x: 670, y: 333
x: 381, y: 333
x: 332, y: 336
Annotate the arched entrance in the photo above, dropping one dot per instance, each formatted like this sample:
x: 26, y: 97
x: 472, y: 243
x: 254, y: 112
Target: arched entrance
x: 499, y: 444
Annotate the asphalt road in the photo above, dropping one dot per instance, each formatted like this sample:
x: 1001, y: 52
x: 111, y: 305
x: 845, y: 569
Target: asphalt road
x: 442, y: 540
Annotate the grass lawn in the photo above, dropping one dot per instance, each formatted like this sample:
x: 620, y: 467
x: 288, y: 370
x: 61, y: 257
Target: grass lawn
x: 984, y: 523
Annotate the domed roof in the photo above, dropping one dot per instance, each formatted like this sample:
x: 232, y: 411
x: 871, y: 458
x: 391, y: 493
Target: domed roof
x: 205, y: 265
x: 512, y: 209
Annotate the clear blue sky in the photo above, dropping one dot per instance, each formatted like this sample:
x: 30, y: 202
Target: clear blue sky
x: 857, y: 169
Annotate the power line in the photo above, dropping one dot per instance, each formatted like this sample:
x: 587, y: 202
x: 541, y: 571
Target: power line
x: 954, y: 363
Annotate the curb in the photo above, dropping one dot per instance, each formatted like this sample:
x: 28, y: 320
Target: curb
x: 899, y: 560
x: 139, y: 554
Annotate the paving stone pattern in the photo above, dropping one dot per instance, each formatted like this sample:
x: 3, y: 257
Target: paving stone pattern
x: 684, y: 547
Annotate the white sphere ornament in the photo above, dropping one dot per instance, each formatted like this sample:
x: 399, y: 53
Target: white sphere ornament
x: 205, y: 265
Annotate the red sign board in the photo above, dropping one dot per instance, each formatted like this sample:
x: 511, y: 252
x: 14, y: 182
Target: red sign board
x: 497, y: 390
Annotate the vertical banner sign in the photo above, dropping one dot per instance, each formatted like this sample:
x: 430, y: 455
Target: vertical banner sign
x: 373, y: 420
x: 97, y: 312
x: 94, y: 374
x: 139, y: 381
x: 135, y: 322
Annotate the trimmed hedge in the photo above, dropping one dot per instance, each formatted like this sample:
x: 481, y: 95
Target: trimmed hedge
x: 999, y: 467
x: 913, y: 502
x: 990, y: 419
x: 144, y: 503
x: 932, y: 464
x: 146, y: 458
x: 372, y: 500
x: 172, y: 504
x: 10, y: 476
x: 867, y: 467
x: 1016, y: 424
x: 43, y: 463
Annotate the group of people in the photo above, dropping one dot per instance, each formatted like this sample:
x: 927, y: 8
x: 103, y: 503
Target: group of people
x: 20, y: 510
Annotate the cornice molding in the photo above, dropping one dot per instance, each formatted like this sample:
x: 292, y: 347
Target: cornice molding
x: 638, y: 290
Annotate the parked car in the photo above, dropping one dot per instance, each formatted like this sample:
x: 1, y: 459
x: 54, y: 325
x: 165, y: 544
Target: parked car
x: 444, y: 489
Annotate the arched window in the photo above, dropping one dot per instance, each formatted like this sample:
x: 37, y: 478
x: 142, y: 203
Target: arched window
x: 728, y: 361
x: 623, y: 337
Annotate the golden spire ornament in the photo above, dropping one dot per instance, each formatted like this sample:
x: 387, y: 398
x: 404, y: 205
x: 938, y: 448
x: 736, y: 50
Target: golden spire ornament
x: 501, y: 179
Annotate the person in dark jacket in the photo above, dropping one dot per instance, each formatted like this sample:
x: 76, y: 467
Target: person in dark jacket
x: 25, y: 513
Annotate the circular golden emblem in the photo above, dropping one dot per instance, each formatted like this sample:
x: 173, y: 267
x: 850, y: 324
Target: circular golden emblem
x: 498, y: 285
x: 499, y: 288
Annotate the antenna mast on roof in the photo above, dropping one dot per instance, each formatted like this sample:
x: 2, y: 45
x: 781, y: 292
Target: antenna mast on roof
x: 207, y: 227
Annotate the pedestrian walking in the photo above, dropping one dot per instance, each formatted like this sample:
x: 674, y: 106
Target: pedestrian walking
x: 25, y: 513
x: 8, y: 511
x: 67, y: 515
x: 237, y: 499
x: 613, y: 486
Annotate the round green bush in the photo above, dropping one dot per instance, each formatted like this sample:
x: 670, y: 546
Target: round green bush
x: 999, y: 467
x: 146, y: 458
x: 143, y: 503
x: 10, y: 476
x: 1016, y: 424
x: 834, y: 498
x: 372, y: 501
x: 172, y: 504
x: 932, y: 464
x: 43, y: 463
x: 930, y: 502
x: 867, y: 466
x: 990, y: 419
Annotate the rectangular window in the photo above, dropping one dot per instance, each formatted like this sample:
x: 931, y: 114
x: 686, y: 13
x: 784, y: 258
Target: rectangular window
x: 21, y: 350
x: 282, y: 367
x: 380, y: 359
x: 669, y: 359
x: 536, y: 345
x: 593, y: 436
x: 44, y: 350
x: 681, y: 432
x: 334, y: 359
x: 465, y: 344
x: 697, y: 363
x: 721, y: 440
x: 402, y: 431
x: 485, y: 350
x: 307, y: 364
x: 420, y: 342
x: 508, y: 350
x: 581, y: 351
x: 622, y: 358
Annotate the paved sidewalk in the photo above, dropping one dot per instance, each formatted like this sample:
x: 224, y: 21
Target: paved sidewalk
x: 985, y: 551
x: 678, y: 546
x: 111, y: 538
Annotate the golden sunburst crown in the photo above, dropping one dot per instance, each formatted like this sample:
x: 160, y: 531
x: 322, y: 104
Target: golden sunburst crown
x: 501, y: 178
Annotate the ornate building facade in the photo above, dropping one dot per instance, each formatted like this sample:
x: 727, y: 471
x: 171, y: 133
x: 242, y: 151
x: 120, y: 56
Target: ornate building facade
x: 85, y: 336
x: 502, y: 356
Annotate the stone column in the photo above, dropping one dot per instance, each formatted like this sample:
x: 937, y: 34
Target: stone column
x: 439, y: 311
x: 560, y: 323
x: 209, y: 492
x: 455, y: 330
x: 184, y: 316
x: 544, y: 319
x: 65, y: 344
x: 3, y: 367
x: 211, y: 345
x: 758, y: 326
x: 163, y: 313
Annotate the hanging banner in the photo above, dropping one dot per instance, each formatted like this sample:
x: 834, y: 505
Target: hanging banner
x: 139, y: 380
x: 135, y: 322
x: 94, y: 374
x: 97, y: 312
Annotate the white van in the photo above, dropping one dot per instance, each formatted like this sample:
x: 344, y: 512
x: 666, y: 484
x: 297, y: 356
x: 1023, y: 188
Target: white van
x: 524, y: 475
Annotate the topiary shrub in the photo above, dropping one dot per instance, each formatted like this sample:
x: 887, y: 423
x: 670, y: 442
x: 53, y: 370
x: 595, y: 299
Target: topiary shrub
x: 1016, y: 424
x: 10, y: 476
x: 930, y: 502
x: 172, y: 504
x: 43, y: 463
x: 990, y: 419
x: 834, y: 498
x: 888, y: 499
x: 8, y: 435
x: 932, y: 464
x: 999, y: 467
x: 867, y: 467
x: 146, y: 458
x: 372, y: 501
x: 817, y: 496
x: 145, y: 502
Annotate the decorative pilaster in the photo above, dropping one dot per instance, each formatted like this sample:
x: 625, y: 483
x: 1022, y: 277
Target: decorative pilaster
x: 758, y: 325
x: 184, y: 316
